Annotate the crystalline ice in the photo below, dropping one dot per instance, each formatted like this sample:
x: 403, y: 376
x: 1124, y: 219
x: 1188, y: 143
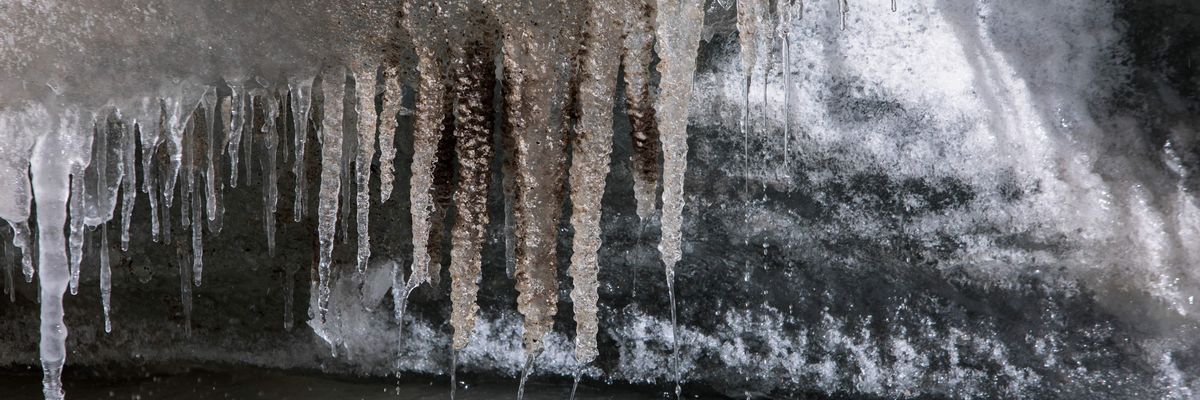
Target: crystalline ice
x: 637, y: 47
x: 589, y: 166
x: 51, y: 189
x: 392, y: 96
x: 474, y: 81
x: 301, y: 93
x: 364, y: 83
x: 678, y: 37
x: 331, y: 170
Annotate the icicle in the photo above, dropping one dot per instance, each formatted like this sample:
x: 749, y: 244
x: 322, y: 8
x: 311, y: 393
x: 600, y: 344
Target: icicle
x: 150, y: 126
x: 638, y: 47
x: 181, y: 109
x: 270, y: 173
x: 237, y: 121
x: 163, y: 168
x: 51, y: 182
x: 392, y: 96
x: 364, y: 83
x: 533, y: 91
x: 188, y: 179
x: 79, y: 159
x: 747, y: 25
x: 589, y: 169
x: 677, y: 41
x: 106, y: 169
x: 212, y: 168
x: 198, y: 147
x: 349, y: 154
x: 9, y: 259
x: 301, y: 102
x: 252, y: 123
x: 474, y: 83
x: 75, y: 206
x: 443, y: 191
x: 128, y: 182
x: 893, y: 5
x: 105, y: 278
x: 331, y: 170
x: 23, y: 241
x: 426, y: 133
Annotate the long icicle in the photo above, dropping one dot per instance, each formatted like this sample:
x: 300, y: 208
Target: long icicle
x: 637, y: 55
x: 334, y: 90
x: 237, y: 121
x: 270, y: 140
x: 589, y: 168
x: 301, y: 103
x: 392, y: 96
x: 150, y: 128
x: 474, y: 84
x: 213, y: 185
x: 51, y: 186
x: 364, y: 84
x: 678, y: 37
x: 80, y: 158
x: 128, y: 182
x: 198, y: 147
x: 426, y: 133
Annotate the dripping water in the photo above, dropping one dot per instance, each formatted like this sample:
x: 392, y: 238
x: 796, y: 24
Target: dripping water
x: 525, y: 376
x: 674, y: 333
x: 453, y: 370
x: 575, y: 382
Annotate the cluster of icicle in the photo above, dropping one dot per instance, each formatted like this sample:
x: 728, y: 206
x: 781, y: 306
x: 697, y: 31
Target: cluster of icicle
x: 558, y: 75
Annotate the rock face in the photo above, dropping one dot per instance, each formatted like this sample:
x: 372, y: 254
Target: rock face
x: 961, y: 199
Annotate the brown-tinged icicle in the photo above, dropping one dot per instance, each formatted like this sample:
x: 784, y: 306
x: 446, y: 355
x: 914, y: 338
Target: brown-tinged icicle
x: 473, y: 85
x: 535, y: 46
x: 424, y: 21
x: 589, y: 164
x: 636, y: 57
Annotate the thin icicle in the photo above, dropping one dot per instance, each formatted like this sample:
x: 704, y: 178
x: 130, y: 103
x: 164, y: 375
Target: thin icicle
x: 747, y: 24
x: 105, y: 278
x: 209, y: 154
x: 271, y: 107
x: 844, y: 11
x: 589, y: 169
x: 150, y: 125
x: 364, y: 84
x: 237, y: 121
x: 334, y: 90
x: 128, y: 181
x: 426, y: 132
x: 51, y: 186
x: 198, y: 146
x: 349, y: 153
x: 636, y: 58
x: 249, y: 130
x: 392, y: 97
x: 785, y: 12
x: 474, y: 84
x: 301, y: 102
x: 80, y: 158
x: 678, y: 38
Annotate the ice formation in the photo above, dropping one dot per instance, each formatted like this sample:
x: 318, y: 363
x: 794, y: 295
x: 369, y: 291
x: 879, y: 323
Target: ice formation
x: 529, y: 86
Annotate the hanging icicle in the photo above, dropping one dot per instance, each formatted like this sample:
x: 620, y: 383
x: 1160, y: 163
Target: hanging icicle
x: 637, y: 54
x: 364, y: 84
x: 334, y: 90
x: 589, y: 167
x: 676, y: 42
x: 474, y: 82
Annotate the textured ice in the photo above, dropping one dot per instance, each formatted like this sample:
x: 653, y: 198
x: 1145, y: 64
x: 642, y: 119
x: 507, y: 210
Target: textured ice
x: 961, y: 199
